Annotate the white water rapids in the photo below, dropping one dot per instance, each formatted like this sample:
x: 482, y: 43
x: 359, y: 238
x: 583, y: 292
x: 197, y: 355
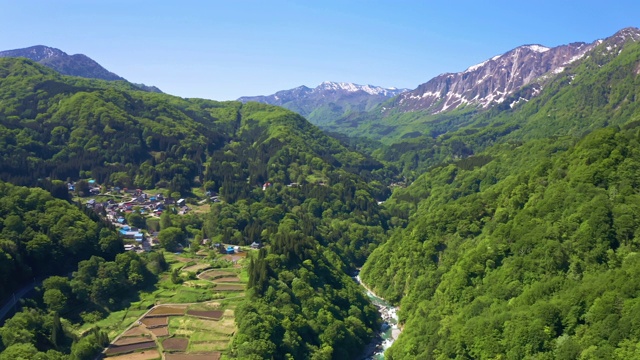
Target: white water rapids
x: 389, y: 330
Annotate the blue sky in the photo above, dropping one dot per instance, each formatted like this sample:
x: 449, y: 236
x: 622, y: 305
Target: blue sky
x: 225, y: 49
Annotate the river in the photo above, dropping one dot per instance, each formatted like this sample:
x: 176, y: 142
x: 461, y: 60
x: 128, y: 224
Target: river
x: 389, y: 331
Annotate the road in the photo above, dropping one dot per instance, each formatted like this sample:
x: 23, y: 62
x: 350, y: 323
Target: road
x: 13, y: 300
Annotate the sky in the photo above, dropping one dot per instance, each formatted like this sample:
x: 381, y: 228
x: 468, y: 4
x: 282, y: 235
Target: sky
x: 222, y: 50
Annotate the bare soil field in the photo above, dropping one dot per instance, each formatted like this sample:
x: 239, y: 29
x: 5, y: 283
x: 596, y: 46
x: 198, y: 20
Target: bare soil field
x: 212, y: 314
x: 210, y: 356
x: 175, y: 344
x: 131, y: 347
x: 229, y: 287
x: 152, y: 322
x: 167, y: 310
x: 214, y: 274
x: 195, y: 268
x: 143, y: 355
x: 131, y: 340
x: 160, y: 331
x: 136, y: 331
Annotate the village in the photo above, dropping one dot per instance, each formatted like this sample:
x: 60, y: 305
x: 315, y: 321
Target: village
x: 115, y: 204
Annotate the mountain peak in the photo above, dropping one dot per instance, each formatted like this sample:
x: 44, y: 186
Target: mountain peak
x: 56, y: 59
x: 36, y: 53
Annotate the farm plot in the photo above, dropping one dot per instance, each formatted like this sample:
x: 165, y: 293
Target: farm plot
x: 211, y: 314
x: 228, y: 279
x: 196, y: 268
x: 153, y: 322
x: 229, y: 287
x: 131, y: 340
x: 175, y: 344
x: 136, y: 331
x: 214, y: 274
x: 167, y: 311
x: 142, y: 355
x: 160, y: 331
x: 210, y: 356
x: 114, y: 349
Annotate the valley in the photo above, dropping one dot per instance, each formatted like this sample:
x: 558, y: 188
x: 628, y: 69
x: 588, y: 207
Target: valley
x: 494, y: 213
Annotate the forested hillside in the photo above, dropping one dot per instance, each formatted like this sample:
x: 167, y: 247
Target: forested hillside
x: 281, y: 182
x: 64, y: 127
x: 42, y: 236
x: 526, y: 249
x: 595, y: 91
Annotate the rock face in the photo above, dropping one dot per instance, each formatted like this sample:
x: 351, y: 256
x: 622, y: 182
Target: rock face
x: 58, y: 60
x: 328, y: 100
x: 492, y: 81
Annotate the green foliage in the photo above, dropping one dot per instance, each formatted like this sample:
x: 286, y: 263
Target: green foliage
x: 41, y: 235
x: 523, y: 256
x: 170, y: 238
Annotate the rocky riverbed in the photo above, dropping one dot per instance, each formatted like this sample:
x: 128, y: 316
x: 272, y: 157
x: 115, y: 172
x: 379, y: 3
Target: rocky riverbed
x: 389, y: 330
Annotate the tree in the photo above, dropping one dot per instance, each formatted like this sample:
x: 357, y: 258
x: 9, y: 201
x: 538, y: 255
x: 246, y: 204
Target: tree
x: 165, y: 220
x: 136, y: 220
x: 170, y: 238
x: 55, y: 300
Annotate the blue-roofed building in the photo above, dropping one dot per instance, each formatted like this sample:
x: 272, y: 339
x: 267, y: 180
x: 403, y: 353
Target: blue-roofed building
x: 230, y: 250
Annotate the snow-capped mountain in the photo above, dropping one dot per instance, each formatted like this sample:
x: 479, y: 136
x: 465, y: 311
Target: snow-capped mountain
x: 493, y: 81
x: 329, y: 100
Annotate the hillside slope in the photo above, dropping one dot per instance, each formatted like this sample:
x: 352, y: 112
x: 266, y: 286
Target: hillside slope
x: 519, y: 247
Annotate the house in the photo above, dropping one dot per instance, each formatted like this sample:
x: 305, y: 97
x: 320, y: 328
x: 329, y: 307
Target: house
x: 256, y: 245
x: 180, y: 202
x: 230, y: 250
x: 266, y: 185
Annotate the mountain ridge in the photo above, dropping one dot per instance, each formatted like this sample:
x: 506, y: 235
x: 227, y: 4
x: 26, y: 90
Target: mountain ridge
x: 329, y: 100
x: 73, y: 65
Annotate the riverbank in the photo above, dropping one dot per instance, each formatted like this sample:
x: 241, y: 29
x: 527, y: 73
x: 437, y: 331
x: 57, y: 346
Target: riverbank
x: 389, y: 330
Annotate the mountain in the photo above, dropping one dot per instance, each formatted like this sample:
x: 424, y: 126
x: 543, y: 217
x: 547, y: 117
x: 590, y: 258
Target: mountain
x: 329, y: 100
x: 280, y: 181
x: 518, y: 238
x: 490, y: 82
x: 73, y: 65
x: 452, y: 101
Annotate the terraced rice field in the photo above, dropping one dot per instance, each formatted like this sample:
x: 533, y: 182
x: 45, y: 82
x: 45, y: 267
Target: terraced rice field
x: 151, y: 322
x: 132, y: 340
x: 167, y: 311
x: 196, y: 268
x: 142, y: 355
x: 136, y: 331
x: 212, y: 314
x: 214, y: 274
x: 175, y: 344
x: 229, y: 287
x: 227, y: 279
x: 209, y: 356
x: 160, y: 331
x: 112, y: 349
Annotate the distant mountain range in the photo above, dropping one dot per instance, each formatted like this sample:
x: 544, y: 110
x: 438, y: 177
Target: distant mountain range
x: 329, y: 100
x: 73, y: 65
x: 494, y: 80
x: 449, y: 101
